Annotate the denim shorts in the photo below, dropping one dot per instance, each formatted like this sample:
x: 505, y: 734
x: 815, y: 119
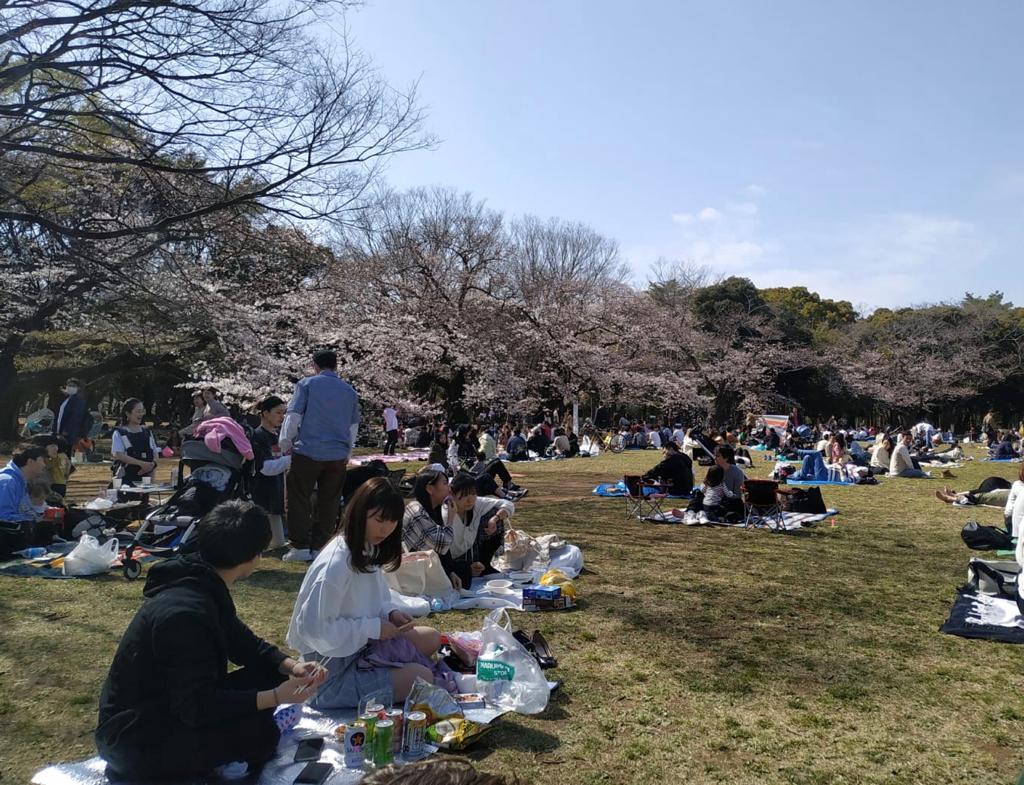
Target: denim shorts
x: 349, y: 687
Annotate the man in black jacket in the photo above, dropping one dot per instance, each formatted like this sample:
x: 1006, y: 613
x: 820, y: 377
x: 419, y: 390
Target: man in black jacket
x: 169, y: 710
x: 70, y: 421
x: 675, y: 471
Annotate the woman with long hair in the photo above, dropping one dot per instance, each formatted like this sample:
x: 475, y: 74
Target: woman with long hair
x: 344, y: 605
x: 424, y: 527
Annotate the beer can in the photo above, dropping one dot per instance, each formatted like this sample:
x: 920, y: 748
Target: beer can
x: 415, y: 736
x: 376, y: 708
x: 383, y: 736
x: 355, y: 746
x: 397, y: 716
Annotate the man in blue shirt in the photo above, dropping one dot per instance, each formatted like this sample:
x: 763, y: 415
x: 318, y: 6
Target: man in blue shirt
x: 27, y: 463
x: 319, y: 431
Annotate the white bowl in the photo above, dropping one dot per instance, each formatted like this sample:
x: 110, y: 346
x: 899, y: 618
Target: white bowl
x: 501, y: 586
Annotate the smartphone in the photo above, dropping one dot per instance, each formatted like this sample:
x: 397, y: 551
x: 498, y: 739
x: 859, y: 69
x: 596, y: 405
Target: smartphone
x: 309, y: 749
x: 314, y: 773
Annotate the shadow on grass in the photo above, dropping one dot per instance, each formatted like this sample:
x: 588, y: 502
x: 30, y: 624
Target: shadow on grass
x: 509, y: 735
x: 276, y: 580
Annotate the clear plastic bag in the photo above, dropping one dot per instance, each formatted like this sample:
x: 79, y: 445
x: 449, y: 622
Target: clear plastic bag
x: 507, y: 675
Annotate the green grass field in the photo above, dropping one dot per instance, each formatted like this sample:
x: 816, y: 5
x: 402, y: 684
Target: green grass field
x: 697, y: 654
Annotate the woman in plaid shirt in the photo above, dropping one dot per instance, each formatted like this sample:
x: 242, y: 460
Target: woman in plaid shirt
x: 424, y: 527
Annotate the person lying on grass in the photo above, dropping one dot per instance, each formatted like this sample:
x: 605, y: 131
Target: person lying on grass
x: 992, y: 492
x: 169, y: 709
x: 344, y: 605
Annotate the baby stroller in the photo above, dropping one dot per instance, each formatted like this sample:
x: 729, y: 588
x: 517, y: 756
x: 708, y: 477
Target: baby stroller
x: 707, y: 445
x: 213, y: 477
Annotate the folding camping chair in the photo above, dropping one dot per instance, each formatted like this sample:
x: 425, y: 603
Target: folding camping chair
x: 642, y: 505
x: 761, y: 503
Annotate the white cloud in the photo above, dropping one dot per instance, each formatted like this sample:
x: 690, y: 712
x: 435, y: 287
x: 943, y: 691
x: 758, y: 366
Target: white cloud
x: 754, y: 191
x: 743, y: 208
x: 709, y: 214
x: 683, y: 218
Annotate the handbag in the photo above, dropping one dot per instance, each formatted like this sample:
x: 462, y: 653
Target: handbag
x: 420, y: 574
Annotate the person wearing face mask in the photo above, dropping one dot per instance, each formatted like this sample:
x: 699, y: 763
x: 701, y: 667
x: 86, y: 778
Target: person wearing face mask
x: 269, y: 467
x: 72, y: 421
x: 344, y: 607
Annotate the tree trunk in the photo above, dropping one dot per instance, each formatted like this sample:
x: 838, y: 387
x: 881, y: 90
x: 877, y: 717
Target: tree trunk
x: 9, y: 398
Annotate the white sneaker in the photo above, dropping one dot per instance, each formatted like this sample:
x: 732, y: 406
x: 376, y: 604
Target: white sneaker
x: 690, y: 518
x: 702, y: 517
x: 298, y: 554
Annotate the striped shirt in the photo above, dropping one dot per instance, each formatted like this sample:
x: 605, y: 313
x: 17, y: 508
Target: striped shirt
x: 421, y: 533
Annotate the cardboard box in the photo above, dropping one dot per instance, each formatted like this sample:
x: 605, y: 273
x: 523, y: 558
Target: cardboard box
x: 557, y: 604
x: 538, y: 592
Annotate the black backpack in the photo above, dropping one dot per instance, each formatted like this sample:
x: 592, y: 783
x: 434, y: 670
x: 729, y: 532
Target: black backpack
x: 986, y: 538
x: 807, y: 500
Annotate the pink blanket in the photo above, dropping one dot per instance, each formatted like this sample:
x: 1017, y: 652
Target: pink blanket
x: 214, y: 431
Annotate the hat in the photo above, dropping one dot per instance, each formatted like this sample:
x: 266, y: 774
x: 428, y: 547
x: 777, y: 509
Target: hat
x: 436, y: 467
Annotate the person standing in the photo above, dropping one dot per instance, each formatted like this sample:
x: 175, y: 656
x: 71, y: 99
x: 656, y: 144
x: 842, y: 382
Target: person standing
x: 132, y: 445
x: 319, y: 432
x: 390, y: 430
x: 70, y: 423
x: 269, y: 467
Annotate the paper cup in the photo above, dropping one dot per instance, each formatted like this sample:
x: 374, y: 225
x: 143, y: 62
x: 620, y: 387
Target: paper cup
x: 116, y: 483
x: 146, y: 481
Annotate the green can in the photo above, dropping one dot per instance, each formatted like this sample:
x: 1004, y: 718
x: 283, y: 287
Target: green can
x: 383, y: 738
x: 369, y: 719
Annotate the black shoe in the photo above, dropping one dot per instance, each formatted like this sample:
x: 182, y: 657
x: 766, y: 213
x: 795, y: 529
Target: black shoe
x: 542, y: 651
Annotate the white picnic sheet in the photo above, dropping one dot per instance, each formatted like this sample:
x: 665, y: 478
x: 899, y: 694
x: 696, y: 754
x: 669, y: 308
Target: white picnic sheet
x: 793, y: 520
x: 282, y: 770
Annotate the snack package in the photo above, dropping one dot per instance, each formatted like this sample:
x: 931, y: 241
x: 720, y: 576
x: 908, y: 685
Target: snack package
x: 556, y: 577
x: 436, y: 703
x: 456, y: 734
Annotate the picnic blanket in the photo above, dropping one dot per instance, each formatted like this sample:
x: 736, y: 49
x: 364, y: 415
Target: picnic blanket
x: 616, y: 490
x: 51, y: 565
x: 1001, y: 460
x: 408, y: 455
x: 282, y: 770
x: 976, y: 615
x: 794, y: 521
x: 791, y: 481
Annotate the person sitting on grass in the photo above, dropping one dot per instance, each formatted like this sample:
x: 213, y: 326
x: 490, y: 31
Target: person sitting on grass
x: 169, y: 709
x: 516, y: 448
x: 439, y: 448
x: 488, y: 472
x: 344, y: 606
x: 423, y: 525
x: 58, y: 465
x: 1004, y: 451
x: 725, y: 457
x: 675, y: 472
x: 881, y: 454
x: 28, y: 462
x: 38, y: 491
x: 713, y: 500
x: 478, y: 528
x: 901, y: 464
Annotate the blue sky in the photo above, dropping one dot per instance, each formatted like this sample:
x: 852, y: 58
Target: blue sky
x: 871, y: 151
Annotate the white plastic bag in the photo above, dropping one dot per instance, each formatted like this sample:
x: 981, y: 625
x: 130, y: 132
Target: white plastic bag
x: 567, y: 558
x: 507, y: 674
x: 91, y: 558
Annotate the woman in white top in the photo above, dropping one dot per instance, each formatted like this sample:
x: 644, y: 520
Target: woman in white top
x: 1014, y: 512
x: 345, y: 604
x: 478, y: 528
x: 881, y: 455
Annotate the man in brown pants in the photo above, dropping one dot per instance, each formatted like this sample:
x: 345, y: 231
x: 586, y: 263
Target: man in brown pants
x: 319, y: 430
